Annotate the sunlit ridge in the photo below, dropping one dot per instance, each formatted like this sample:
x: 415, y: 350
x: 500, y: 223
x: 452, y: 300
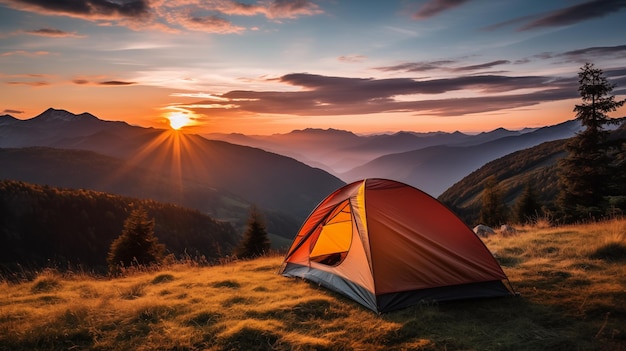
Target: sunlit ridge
x: 168, y: 153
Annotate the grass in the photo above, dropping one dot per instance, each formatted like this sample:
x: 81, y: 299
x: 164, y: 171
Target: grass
x: 571, y: 280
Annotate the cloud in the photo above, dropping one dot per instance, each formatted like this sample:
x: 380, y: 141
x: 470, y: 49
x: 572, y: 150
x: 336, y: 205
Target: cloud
x: 32, y: 84
x: 52, y: 32
x: 481, y: 66
x: 511, y: 22
x: 588, y: 54
x: 198, y: 15
x: 435, y: 7
x: 96, y: 9
x: 585, y: 55
x: 352, y: 58
x: 13, y: 112
x: 116, y: 83
x: 291, y: 9
x: 276, y: 9
x: 422, y: 66
x: 82, y: 81
x: 367, y: 88
x: 25, y: 53
x: 566, y: 16
x: 28, y: 79
x: 466, y: 106
x: 208, y: 24
x: 325, y: 95
x: 577, y: 13
x: 444, y: 65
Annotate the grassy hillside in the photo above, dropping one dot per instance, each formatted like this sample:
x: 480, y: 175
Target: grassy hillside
x: 536, y: 166
x: 572, y: 282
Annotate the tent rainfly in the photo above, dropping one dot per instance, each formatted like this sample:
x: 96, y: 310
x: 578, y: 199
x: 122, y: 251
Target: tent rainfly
x: 388, y: 246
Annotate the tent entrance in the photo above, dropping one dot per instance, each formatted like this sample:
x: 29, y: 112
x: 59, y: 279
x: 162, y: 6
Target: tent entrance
x: 332, y: 239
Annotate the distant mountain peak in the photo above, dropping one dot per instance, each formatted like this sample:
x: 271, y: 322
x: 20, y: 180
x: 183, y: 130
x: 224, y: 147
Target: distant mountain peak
x: 319, y: 131
x: 54, y: 115
x: 6, y: 119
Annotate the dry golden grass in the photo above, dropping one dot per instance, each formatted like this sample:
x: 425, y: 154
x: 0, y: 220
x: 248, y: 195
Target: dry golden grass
x: 572, y: 282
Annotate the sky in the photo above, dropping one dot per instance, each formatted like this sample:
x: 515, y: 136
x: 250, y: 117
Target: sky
x: 264, y: 67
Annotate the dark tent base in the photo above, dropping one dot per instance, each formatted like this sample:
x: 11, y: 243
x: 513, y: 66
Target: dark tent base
x: 399, y: 300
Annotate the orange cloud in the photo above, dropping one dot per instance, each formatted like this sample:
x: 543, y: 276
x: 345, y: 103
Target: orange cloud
x: 82, y: 81
x: 14, y: 112
x: 116, y: 83
x: 32, y: 84
x: 25, y: 53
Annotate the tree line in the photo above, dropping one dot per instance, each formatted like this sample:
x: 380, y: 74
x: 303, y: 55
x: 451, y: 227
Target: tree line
x: 42, y: 226
x: 137, y: 244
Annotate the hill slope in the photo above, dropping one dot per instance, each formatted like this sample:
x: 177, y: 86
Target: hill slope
x: 42, y: 226
x: 536, y: 166
x: 79, y: 169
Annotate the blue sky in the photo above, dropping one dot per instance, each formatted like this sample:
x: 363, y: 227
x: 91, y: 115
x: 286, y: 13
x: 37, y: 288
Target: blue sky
x: 261, y: 67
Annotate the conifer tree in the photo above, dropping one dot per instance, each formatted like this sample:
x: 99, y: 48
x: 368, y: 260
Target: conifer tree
x: 137, y: 243
x: 584, y: 173
x: 617, y: 168
x: 527, y: 206
x: 255, y: 240
x: 493, y: 211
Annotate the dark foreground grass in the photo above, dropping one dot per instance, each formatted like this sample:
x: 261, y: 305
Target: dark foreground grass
x: 572, y: 284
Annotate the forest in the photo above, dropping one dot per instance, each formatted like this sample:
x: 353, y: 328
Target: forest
x: 42, y: 226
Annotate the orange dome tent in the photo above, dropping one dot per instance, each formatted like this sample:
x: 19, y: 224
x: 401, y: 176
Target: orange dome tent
x: 388, y: 245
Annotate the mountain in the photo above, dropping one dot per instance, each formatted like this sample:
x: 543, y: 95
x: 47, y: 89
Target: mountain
x: 434, y: 169
x: 42, y: 226
x: 81, y: 169
x: 181, y: 162
x: 314, y: 147
x: 51, y: 126
x: 7, y: 119
x: 351, y: 157
x: 338, y: 151
x: 536, y: 165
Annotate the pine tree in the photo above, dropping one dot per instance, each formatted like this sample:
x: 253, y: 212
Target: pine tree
x: 584, y: 173
x: 527, y: 206
x: 493, y: 211
x: 137, y: 243
x: 255, y: 240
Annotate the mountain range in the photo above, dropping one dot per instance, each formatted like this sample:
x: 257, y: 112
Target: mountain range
x: 223, y: 174
x: 431, y: 162
x: 59, y: 148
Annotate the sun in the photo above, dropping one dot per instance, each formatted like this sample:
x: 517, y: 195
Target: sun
x: 178, y: 120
